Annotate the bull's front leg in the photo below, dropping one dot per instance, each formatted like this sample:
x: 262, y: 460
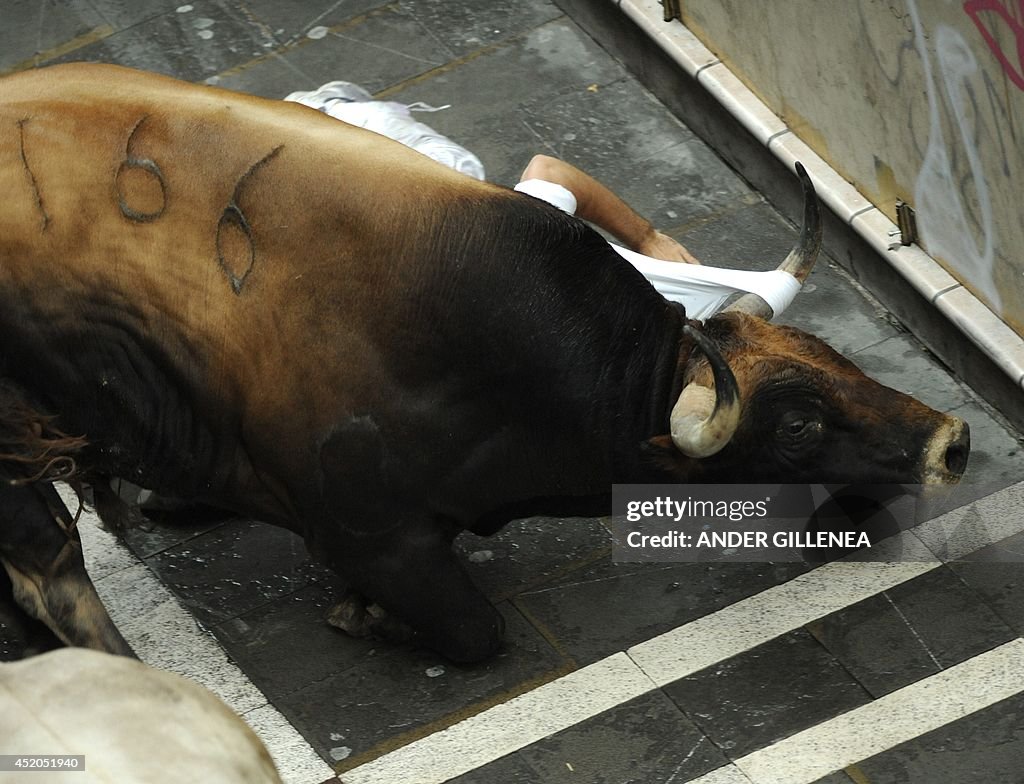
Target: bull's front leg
x: 410, y: 586
x: 42, y: 554
x: 373, y: 530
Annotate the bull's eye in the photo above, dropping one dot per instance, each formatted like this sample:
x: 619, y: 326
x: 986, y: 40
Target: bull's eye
x: 796, y: 426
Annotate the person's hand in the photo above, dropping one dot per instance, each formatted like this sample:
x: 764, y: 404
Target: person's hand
x: 597, y: 204
x: 661, y: 246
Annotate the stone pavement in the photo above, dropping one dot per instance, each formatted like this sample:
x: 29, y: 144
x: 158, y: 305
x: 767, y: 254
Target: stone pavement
x: 904, y: 650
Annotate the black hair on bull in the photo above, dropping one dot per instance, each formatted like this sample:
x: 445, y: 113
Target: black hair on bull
x: 31, y: 449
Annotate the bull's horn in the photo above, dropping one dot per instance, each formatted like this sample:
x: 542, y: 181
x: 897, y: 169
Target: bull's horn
x: 703, y: 420
x: 800, y: 260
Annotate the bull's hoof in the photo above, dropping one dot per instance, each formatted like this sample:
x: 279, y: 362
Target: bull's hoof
x: 358, y: 617
x: 472, y: 642
x: 115, y: 515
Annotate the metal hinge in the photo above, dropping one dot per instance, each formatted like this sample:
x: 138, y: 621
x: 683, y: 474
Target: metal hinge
x: 907, y: 223
x: 671, y: 9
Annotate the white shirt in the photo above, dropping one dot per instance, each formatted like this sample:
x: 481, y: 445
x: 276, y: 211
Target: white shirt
x: 702, y: 290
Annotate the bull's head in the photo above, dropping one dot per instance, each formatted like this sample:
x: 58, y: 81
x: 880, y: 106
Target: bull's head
x: 770, y: 403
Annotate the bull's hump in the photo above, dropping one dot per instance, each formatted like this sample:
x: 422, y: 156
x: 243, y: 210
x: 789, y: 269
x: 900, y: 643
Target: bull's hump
x: 106, y: 100
x: 107, y: 154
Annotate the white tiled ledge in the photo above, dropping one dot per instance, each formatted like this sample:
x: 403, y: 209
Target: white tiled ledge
x: 979, y: 324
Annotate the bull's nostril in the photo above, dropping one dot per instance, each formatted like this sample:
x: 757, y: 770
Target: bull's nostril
x: 956, y: 459
x: 945, y: 455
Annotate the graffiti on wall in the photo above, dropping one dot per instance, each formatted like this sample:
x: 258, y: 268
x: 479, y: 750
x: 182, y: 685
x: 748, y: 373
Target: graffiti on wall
x: 951, y: 193
x: 1013, y: 18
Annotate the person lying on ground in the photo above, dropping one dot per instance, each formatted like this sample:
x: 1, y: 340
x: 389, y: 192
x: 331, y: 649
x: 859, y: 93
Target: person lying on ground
x: 596, y: 203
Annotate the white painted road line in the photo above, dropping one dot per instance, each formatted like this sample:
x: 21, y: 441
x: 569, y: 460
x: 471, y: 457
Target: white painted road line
x: 829, y: 588
x: 508, y: 727
x: 580, y: 695
x: 729, y: 774
x: 773, y: 612
x: 890, y: 720
x: 164, y: 635
x: 975, y: 525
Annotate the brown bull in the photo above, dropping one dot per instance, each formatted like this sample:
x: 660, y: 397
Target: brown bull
x: 248, y: 303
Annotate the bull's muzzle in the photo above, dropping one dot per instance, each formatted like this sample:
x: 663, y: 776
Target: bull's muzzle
x: 945, y: 455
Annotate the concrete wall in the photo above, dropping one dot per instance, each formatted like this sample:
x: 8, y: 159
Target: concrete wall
x: 913, y: 100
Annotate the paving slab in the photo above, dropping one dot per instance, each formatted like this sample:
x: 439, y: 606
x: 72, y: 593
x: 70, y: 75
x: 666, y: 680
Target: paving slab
x: 511, y: 769
x: 394, y: 695
x: 351, y: 51
x: 839, y: 777
x: 996, y: 573
x: 234, y: 568
x: 537, y: 66
x: 213, y: 37
x: 647, y: 739
x: 32, y: 29
x: 767, y: 693
x: 150, y: 536
x: 607, y: 607
x: 121, y: 14
x: 911, y: 631
x: 467, y: 26
x: 285, y: 645
x: 610, y: 131
x: 533, y: 552
x: 291, y: 20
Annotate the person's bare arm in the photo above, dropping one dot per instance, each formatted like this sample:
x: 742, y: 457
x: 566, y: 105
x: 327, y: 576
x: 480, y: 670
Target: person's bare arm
x: 597, y: 204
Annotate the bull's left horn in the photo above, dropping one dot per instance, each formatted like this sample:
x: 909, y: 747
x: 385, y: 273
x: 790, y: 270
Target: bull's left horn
x: 704, y: 420
x: 800, y: 260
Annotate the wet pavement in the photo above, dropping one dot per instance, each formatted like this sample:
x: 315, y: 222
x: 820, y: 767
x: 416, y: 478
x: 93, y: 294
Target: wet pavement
x: 522, y: 78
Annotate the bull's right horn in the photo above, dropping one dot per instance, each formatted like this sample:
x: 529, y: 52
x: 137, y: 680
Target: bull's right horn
x: 703, y: 420
x: 800, y: 260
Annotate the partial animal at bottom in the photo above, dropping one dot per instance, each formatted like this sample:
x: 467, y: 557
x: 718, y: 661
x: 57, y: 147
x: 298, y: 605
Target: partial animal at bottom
x: 130, y: 722
x: 246, y: 303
